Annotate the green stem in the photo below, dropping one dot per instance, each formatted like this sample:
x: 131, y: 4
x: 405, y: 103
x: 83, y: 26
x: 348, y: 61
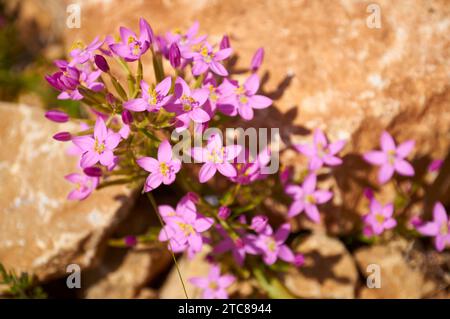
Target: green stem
x: 274, y: 288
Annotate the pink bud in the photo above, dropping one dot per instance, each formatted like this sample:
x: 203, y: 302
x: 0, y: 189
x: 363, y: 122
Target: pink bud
x: 62, y: 136
x: 259, y: 223
x: 299, y: 260
x: 101, y: 63
x: 225, y: 42
x: 57, y: 116
x: 368, y: 193
x: 174, y: 55
x: 93, y: 171
x: 110, y: 98
x: 127, y: 117
x: 239, y: 243
x: 435, y: 165
x: 224, y: 212
x: 130, y: 241
x: 257, y: 59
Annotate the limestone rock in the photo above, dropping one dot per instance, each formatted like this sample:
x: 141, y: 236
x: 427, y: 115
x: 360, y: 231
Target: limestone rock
x: 399, y: 278
x: 329, y: 270
x: 172, y: 288
x: 41, y: 232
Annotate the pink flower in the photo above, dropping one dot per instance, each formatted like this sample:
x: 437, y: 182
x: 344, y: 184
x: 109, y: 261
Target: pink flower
x: 243, y: 98
x: 259, y: 223
x: 272, y: 246
x: 306, y: 197
x: 251, y: 171
x: 216, y: 157
x: 84, y: 185
x: 439, y: 228
x: 81, y: 54
x: 184, y: 227
x: 151, y: 99
x: 188, y: 105
x: 391, y: 158
x: 163, y: 170
x: 379, y: 218
x: 214, y: 286
x: 132, y: 47
x: 321, y: 152
x: 435, y: 165
x: 207, y: 59
x: 98, y: 148
x: 239, y: 247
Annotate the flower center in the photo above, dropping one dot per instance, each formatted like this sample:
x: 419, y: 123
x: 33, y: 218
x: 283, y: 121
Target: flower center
x: 186, y: 228
x: 310, y: 199
x: 77, y: 45
x: 99, y: 147
x: 217, y: 155
x: 271, y: 244
x: 207, y: 56
x: 391, y: 156
x: 154, y: 97
x: 379, y: 218
x: 444, y: 229
x: 213, y: 285
x: 164, y: 168
x: 188, y: 103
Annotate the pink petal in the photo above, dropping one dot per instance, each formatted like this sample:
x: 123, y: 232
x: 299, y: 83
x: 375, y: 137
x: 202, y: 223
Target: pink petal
x: 282, y: 233
x: 336, y: 147
x: 319, y: 138
x: 85, y: 143
x: 387, y: 142
x: 223, y: 54
x: 246, y: 112
x: 149, y: 164
x: 309, y: 184
x: 100, y: 131
x: 218, y: 68
x: 439, y: 214
x: 106, y: 158
x: 75, y: 178
x: 203, y: 224
x: 112, y: 140
x: 390, y: 223
x: 315, y: 163
x: 232, y: 151
x: 259, y: 101
x: 200, y: 282
x: 199, y: 154
x: 199, y: 67
x: 200, y: 95
x: 251, y: 85
x: 206, y: 172
x: 226, y: 280
x: 405, y: 148
x: 166, y: 210
x: 164, y: 151
x: 286, y: 254
x: 429, y: 229
x: 322, y: 196
x: 137, y: 105
x: 375, y: 157
x: 226, y: 169
x: 385, y: 173
x: 312, y: 212
x: 295, y: 208
x: 387, y: 210
x: 199, y: 115
x: 332, y: 160
x: 89, y: 158
x: 403, y: 167
x: 440, y: 243
x: 153, y: 181
x: 306, y: 149
x: 164, y: 86
x: 196, y: 242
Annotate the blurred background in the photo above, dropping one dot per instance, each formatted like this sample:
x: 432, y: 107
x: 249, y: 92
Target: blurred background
x: 325, y: 66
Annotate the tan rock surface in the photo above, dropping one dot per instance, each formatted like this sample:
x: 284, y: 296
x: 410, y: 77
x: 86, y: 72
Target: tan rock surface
x: 329, y: 270
x: 399, y: 278
x: 40, y: 231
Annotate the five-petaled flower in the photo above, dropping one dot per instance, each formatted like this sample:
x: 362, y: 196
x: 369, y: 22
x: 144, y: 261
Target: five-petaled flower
x: 215, y: 157
x: 306, y: 197
x: 379, y: 218
x: 214, y: 286
x: 391, y: 158
x: 97, y: 148
x: 162, y: 170
x: 152, y: 99
x: 439, y: 228
x: 272, y: 246
x: 84, y: 185
x: 321, y: 151
x: 131, y: 46
x: 208, y: 59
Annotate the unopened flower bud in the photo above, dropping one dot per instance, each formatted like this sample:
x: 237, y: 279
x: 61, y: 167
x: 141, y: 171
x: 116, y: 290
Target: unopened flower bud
x: 127, y: 117
x: 259, y: 223
x: 435, y: 165
x: 368, y: 193
x: 257, y: 59
x: 57, y: 116
x: 93, y: 171
x: 174, y: 55
x: 225, y: 42
x: 224, y: 212
x: 299, y: 260
x: 130, y: 241
x: 101, y: 63
x: 62, y: 136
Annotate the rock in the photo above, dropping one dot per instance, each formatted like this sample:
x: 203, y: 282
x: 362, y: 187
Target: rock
x: 41, y: 232
x: 399, y: 279
x: 329, y: 270
x: 173, y: 289
x: 122, y: 276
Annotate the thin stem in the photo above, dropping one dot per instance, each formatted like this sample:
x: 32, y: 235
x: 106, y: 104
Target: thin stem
x: 155, y: 207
